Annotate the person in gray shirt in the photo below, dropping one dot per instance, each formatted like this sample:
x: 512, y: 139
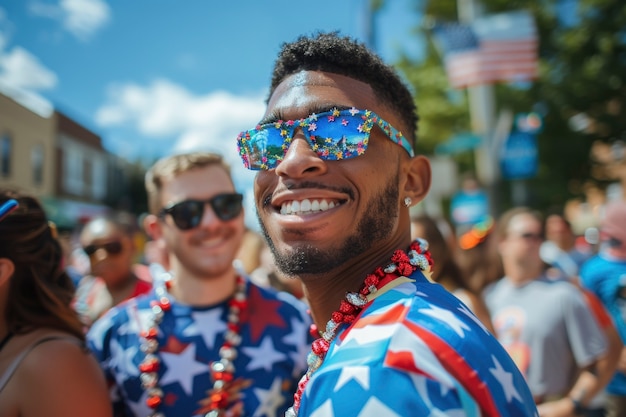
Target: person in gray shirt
x: 544, y: 324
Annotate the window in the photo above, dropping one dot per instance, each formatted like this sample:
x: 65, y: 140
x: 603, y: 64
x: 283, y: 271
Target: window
x: 6, y: 147
x: 36, y: 159
x: 73, y: 171
x: 98, y: 178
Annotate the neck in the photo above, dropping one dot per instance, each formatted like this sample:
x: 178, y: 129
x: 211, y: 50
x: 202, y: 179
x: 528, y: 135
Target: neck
x: 200, y: 291
x: 401, y: 262
x: 324, y: 292
x: 124, y: 290
x: 520, y: 274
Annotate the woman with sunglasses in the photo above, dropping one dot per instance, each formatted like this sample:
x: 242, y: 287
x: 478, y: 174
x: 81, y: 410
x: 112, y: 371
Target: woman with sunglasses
x: 206, y: 341
x: 45, y: 368
x: 109, y: 244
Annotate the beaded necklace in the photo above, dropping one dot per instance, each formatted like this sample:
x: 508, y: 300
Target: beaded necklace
x: 222, y: 371
x: 402, y: 264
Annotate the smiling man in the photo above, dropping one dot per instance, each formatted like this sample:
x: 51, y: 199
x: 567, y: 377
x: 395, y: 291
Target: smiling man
x: 206, y: 341
x: 336, y: 179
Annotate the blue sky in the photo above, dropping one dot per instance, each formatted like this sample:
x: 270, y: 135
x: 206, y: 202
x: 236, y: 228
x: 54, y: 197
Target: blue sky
x: 153, y: 77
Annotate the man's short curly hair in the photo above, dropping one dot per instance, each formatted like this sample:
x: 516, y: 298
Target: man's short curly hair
x: 343, y: 55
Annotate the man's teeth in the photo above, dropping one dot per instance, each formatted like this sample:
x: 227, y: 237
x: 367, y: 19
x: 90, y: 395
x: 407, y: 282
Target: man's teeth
x: 306, y: 206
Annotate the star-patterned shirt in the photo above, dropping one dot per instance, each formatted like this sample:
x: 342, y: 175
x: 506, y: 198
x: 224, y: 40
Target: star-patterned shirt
x: 271, y: 357
x: 416, y: 350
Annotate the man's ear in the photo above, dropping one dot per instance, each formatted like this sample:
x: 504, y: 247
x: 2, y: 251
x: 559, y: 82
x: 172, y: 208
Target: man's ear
x: 7, y: 269
x: 418, y: 179
x: 152, y: 227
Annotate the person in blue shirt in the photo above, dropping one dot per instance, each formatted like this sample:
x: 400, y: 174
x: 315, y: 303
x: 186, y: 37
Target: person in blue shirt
x: 605, y: 275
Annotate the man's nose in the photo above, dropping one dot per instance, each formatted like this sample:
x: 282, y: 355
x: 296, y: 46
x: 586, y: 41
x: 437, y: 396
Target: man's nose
x: 300, y: 159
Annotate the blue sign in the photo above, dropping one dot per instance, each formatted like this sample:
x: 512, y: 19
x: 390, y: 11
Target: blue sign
x: 519, y: 156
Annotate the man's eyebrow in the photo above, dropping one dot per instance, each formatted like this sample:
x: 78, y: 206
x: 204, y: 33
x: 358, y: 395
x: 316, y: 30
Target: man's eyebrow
x: 277, y: 115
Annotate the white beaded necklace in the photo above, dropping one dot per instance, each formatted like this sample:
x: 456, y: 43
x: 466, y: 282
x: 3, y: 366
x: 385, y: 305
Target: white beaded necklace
x: 222, y: 371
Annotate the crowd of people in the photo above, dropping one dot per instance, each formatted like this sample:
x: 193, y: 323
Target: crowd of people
x: 346, y: 303
x: 554, y: 303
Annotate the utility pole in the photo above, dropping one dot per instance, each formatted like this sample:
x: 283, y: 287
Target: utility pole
x: 371, y: 10
x: 482, y: 116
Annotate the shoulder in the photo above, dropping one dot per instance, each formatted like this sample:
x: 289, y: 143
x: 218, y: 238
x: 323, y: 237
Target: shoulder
x: 431, y: 309
x: 492, y: 286
x: 601, y: 263
x: 558, y: 290
x: 432, y: 335
x: 560, y: 286
x: 63, y: 376
x: 71, y: 358
x: 62, y: 347
x: 122, y: 315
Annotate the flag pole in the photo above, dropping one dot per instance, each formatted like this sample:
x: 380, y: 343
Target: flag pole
x: 482, y: 117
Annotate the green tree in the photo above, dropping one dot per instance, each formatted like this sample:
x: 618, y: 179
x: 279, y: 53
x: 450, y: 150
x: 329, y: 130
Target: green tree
x: 582, y: 78
x: 130, y: 193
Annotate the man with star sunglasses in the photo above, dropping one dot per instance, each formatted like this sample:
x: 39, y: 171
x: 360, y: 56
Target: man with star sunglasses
x: 333, y: 135
x: 206, y: 340
x: 336, y: 177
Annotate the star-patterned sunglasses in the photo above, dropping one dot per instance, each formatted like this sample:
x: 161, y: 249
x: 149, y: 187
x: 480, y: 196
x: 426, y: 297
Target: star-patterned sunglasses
x: 333, y: 135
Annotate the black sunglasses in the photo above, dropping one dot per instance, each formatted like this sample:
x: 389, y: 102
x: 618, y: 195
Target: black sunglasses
x: 112, y: 248
x: 188, y: 214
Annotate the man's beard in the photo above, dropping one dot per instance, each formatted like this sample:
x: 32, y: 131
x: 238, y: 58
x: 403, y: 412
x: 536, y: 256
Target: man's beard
x: 376, y: 224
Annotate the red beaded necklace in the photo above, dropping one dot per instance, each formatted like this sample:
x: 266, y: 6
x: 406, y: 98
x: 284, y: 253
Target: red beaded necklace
x: 222, y: 371
x: 402, y: 264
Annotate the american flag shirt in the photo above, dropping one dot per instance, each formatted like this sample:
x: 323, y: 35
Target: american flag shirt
x: 416, y: 350
x: 270, y: 359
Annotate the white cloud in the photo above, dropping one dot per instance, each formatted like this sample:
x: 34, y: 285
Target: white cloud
x: 21, y: 69
x: 50, y: 11
x: 207, y: 122
x: 82, y: 18
x: 164, y: 109
x: 22, y: 75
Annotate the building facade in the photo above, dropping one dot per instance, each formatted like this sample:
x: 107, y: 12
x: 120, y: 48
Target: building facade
x: 60, y: 161
x: 27, y: 149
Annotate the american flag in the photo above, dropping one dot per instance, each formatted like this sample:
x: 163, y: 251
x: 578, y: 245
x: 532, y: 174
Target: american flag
x: 495, y: 48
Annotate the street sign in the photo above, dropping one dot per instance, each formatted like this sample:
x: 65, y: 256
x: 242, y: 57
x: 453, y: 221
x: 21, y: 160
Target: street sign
x: 519, y: 156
